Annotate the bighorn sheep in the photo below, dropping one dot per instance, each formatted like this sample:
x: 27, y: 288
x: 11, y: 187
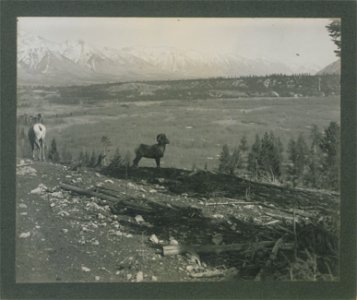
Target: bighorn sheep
x: 154, y: 151
x: 37, y: 134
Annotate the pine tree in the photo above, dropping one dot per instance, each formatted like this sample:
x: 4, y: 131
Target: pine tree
x: 271, y: 156
x: 224, y: 160
x: 53, y: 154
x: 330, y: 147
x: 106, y: 142
x: 116, y: 162
x: 312, y: 177
x: 86, y: 158
x: 93, y: 159
x: 334, y: 29
x: 234, y: 161
x: 298, y: 156
x: 243, y: 146
x: 254, y: 158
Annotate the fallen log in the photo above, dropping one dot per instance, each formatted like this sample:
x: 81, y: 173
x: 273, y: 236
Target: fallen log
x: 215, y: 273
x: 24, y: 165
x: 180, y: 249
x: 230, y: 203
x: 84, y: 192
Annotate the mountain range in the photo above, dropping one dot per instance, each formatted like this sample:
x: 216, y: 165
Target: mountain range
x: 44, y: 62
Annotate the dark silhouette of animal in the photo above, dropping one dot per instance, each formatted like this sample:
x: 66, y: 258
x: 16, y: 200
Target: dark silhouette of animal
x: 154, y: 151
x: 36, y: 135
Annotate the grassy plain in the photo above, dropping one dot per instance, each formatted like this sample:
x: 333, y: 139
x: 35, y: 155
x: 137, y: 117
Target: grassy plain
x: 197, y: 128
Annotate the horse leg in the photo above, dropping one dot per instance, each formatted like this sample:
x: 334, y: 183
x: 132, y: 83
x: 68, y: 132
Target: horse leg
x: 42, y: 150
x: 38, y: 149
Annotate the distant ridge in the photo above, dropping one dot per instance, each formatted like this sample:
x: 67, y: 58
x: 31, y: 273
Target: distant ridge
x: 43, y: 62
x: 333, y: 68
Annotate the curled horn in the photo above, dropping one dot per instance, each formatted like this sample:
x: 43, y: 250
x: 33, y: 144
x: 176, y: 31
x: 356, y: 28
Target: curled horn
x: 159, y: 137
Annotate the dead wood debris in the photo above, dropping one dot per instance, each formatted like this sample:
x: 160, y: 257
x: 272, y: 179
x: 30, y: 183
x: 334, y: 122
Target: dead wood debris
x: 285, y: 230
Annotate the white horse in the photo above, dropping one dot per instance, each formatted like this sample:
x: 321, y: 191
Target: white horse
x: 37, y: 134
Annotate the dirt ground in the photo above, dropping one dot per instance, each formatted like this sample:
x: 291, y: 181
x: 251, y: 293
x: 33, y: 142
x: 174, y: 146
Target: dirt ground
x: 63, y: 236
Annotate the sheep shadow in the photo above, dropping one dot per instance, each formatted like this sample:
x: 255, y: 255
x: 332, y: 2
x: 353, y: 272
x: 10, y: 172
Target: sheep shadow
x: 189, y: 226
x: 178, y: 181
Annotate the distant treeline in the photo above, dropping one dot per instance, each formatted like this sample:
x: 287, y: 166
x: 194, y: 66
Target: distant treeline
x: 311, y: 162
x: 275, y: 85
x: 306, y: 162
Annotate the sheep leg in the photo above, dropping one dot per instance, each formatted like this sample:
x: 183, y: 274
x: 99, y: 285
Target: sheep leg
x: 136, y: 160
x: 157, y: 159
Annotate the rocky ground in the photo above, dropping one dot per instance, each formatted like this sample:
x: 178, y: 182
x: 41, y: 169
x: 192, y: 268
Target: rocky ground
x: 84, y: 225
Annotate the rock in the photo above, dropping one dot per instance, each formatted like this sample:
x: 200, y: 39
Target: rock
x: 57, y: 194
x: 139, y: 276
x: 64, y: 230
x: 85, y: 269
x: 100, y: 216
x: 24, y: 235
x: 153, y: 238
x: 189, y: 268
x: 139, y: 219
x: 131, y: 186
x: 173, y: 241
x: 22, y: 205
x: 63, y: 213
x: 39, y: 190
x: 98, y: 175
x: 153, y: 278
x: 152, y: 191
x: 118, y: 233
x: 97, y: 278
x: 108, y: 181
x: 250, y: 206
x: 26, y: 170
x: 218, y: 216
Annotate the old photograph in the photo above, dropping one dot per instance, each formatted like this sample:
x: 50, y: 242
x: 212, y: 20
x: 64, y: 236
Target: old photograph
x: 177, y: 149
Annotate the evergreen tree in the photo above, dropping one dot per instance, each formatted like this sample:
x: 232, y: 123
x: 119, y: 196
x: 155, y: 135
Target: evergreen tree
x: 86, y: 158
x: 106, y: 142
x: 312, y: 177
x: 66, y: 156
x: 254, y: 158
x: 334, y: 29
x: 81, y: 157
x: 224, y: 160
x: 53, y: 154
x: 93, y: 159
x: 298, y: 156
x: 243, y: 146
x: 235, y: 161
x: 330, y: 147
x: 271, y: 156
x: 116, y: 162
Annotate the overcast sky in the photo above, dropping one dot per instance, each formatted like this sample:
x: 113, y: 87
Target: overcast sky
x: 292, y: 41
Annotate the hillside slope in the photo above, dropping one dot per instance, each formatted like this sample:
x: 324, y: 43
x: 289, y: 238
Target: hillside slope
x: 331, y: 69
x: 132, y: 226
